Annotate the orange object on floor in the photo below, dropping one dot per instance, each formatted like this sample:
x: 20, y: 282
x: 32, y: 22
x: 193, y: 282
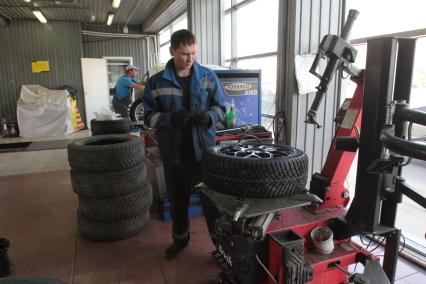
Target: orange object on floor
x: 77, y: 123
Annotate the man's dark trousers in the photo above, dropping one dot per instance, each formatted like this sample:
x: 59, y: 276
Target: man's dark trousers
x: 121, y: 106
x: 179, y: 181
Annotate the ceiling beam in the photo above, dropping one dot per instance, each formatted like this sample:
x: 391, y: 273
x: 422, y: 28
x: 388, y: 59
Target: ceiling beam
x: 156, y: 13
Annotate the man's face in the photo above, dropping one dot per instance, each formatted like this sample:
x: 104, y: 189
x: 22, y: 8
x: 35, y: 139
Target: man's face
x: 184, y: 56
x: 132, y: 73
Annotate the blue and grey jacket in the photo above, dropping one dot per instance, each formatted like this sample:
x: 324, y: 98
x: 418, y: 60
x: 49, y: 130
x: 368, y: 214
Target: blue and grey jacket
x: 163, y: 95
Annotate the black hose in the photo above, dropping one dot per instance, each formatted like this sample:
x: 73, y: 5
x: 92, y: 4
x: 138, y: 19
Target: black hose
x: 403, y: 147
x: 417, y: 116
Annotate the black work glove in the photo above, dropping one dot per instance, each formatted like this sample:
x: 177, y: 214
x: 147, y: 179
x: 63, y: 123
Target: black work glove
x: 202, y: 119
x: 180, y: 118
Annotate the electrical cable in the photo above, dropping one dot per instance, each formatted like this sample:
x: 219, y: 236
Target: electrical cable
x: 283, y: 126
x: 266, y: 269
x: 403, y: 244
x: 379, y: 243
x: 362, y: 241
x: 410, y: 129
x: 343, y: 77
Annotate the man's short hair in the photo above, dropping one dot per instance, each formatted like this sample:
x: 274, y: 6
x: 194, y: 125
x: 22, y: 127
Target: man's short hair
x: 182, y: 37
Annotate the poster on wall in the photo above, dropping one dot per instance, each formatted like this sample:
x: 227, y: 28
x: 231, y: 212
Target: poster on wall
x: 40, y: 66
x: 242, y: 97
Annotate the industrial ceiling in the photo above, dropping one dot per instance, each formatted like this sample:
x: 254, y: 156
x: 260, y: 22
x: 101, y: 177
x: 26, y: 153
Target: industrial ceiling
x: 129, y: 12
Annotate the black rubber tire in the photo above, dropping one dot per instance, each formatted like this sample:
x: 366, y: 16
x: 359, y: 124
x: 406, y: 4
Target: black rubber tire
x: 108, y: 184
x: 111, y: 231
x: 106, y: 153
x: 136, y: 105
x: 275, y: 177
x: 30, y: 280
x: 117, y: 126
x: 116, y: 208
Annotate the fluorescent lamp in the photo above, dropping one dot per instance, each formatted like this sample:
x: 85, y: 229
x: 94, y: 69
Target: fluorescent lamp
x: 110, y: 18
x: 40, y: 16
x: 116, y: 3
x: 27, y: 1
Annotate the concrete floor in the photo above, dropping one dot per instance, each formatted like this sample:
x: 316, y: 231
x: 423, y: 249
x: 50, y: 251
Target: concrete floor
x: 37, y: 214
x: 14, y: 163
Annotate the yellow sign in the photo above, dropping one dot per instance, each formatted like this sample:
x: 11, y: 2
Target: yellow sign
x: 40, y: 66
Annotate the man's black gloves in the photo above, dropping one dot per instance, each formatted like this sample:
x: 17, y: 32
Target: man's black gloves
x: 202, y: 119
x: 180, y: 118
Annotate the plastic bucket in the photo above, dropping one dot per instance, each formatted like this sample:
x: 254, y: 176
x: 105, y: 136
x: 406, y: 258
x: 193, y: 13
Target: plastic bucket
x: 323, y: 239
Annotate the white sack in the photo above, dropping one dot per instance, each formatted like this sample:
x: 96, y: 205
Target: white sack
x: 43, y: 112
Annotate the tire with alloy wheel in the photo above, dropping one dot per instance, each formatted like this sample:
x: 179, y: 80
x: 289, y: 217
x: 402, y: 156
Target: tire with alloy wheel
x: 106, y: 153
x: 255, y: 171
x: 136, y: 111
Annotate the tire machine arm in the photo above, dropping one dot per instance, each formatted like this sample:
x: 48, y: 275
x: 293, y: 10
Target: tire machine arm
x: 381, y: 100
x: 280, y: 243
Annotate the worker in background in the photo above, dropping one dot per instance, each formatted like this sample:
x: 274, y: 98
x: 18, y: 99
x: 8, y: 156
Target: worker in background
x: 183, y: 103
x: 124, y: 88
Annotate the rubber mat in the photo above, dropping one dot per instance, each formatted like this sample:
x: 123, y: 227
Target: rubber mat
x: 48, y: 145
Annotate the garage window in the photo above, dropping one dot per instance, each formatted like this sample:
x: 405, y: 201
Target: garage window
x: 250, y: 42
x: 400, y: 19
x: 165, y: 34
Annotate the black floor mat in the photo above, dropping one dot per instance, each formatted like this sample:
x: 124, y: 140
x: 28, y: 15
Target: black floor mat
x: 48, y: 145
x: 14, y: 147
x: 34, y: 146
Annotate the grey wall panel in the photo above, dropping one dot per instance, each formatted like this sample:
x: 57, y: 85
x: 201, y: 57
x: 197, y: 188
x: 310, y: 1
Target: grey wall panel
x: 205, y: 22
x: 25, y: 41
x: 312, y: 19
x: 98, y: 47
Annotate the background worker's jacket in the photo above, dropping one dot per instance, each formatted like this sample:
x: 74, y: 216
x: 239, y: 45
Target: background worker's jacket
x: 163, y: 95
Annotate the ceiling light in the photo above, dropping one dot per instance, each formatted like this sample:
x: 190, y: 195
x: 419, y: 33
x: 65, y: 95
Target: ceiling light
x: 110, y: 18
x: 116, y: 3
x: 27, y: 1
x: 40, y: 16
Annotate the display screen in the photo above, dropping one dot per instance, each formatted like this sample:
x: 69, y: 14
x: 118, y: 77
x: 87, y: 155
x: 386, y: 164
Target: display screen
x: 242, y: 97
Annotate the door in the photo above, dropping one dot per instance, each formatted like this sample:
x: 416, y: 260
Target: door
x: 115, y: 65
x: 95, y: 84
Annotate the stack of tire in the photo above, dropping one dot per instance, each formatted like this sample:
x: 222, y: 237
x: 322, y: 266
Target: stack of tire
x: 108, y: 173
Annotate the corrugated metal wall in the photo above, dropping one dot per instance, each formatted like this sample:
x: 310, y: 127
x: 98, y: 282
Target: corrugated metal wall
x: 100, y: 47
x: 205, y: 21
x: 25, y: 41
x: 305, y: 22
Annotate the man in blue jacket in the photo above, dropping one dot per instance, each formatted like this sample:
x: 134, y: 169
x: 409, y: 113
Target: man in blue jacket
x: 183, y: 103
x: 124, y: 88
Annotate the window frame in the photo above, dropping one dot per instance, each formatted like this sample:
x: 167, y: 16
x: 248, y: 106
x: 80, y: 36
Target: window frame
x: 414, y: 248
x: 234, y: 58
x: 171, y: 27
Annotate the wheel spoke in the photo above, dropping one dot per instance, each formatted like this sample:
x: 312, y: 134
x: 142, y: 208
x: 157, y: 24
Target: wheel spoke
x: 257, y: 151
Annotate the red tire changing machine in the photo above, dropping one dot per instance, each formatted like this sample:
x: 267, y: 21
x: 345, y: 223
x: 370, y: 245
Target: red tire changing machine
x: 268, y: 241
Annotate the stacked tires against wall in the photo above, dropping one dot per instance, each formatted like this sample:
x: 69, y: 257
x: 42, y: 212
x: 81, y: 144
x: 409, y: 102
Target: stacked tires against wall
x: 108, y: 173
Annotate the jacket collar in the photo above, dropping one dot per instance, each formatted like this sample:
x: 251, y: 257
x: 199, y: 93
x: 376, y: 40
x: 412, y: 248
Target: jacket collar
x: 169, y: 73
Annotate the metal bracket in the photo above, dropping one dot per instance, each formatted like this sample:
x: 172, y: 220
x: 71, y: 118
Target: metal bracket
x: 247, y: 208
